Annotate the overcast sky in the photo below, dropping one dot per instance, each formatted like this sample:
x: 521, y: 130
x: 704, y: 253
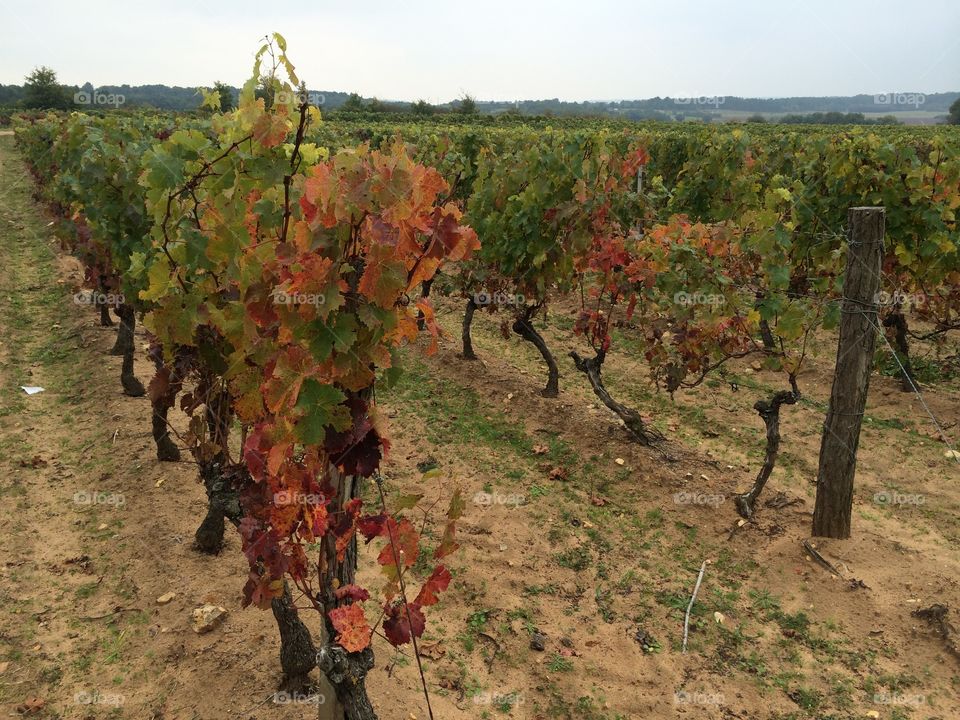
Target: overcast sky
x: 501, y: 49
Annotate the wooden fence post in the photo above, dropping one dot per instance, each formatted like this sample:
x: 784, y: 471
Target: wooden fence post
x: 848, y: 398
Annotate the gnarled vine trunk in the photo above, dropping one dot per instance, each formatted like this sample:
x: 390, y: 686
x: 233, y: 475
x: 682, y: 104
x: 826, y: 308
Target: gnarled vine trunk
x: 298, y: 654
x: 766, y: 334
x: 126, y: 347
x: 898, y: 322
x: 208, y: 538
x: 523, y: 326
x: 220, y: 491
x: 163, y: 392
x: 105, y: 320
x: 769, y: 411
x: 124, y: 339
x: 424, y: 293
x: 468, y: 353
x: 345, y: 671
x: 631, y: 418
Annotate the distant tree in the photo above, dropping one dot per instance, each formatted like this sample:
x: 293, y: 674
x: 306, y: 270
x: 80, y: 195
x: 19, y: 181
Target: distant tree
x: 10, y: 94
x: 376, y: 105
x: 838, y: 118
x: 353, y: 103
x: 41, y: 91
x: 467, y: 105
x: 757, y: 118
x: 954, y: 117
x: 422, y: 107
x: 226, y: 96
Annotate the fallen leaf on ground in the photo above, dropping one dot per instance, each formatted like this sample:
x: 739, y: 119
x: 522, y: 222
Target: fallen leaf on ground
x: 558, y: 473
x: 433, y: 651
x: 31, y: 706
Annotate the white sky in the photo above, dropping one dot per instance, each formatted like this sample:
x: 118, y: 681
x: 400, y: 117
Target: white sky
x: 501, y: 49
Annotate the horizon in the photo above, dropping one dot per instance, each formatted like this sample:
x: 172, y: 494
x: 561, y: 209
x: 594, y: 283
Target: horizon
x: 536, y: 99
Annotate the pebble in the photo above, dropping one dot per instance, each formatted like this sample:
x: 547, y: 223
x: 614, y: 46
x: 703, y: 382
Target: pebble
x: 208, y: 617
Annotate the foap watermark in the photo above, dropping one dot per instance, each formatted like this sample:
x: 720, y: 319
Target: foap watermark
x: 87, y: 497
x: 715, y: 100
x: 884, y: 698
x: 698, y: 498
x: 287, y: 497
x: 911, y: 99
x: 299, y: 97
x: 483, y: 298
x: 898, y: 298
x: 698, y: 298
x: 685, y: 697
x: 495, y: 498
x: 284, y: 697
x: 499, y: 700
x: 95, y: 697
x: 286, y: 297
x: 97, y: 298
x: 892, y: 497
x: 96, y: 97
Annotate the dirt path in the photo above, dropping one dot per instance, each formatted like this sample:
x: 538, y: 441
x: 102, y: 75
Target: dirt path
x: 95, y: 529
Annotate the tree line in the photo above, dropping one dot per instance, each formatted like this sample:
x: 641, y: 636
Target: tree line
x: 42, y: 91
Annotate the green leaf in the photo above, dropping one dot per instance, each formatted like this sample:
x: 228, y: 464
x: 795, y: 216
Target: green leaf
x: 158, y: 279
x: 321, y: 406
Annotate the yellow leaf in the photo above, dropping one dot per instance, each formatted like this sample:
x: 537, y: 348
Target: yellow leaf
x: 158, y: 277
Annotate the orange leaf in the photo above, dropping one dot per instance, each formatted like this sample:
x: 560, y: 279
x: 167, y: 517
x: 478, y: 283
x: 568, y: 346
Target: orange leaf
x: 404, y: 538
x: 384, y: 276
x: 270, y: 129
x: 350, y: 622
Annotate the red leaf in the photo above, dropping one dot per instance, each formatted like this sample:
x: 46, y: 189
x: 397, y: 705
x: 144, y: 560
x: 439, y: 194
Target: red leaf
x: 401, y: 620
x: 436, y: 583
x: 160, y: 384
x: 346, y: 525
x: 371, y: 526
x: 357, y: 450
x: 353, y: 592
x: 254, y: 453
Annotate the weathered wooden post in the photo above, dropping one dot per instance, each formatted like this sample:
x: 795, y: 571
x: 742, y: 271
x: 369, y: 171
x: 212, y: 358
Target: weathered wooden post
x: 848, y: 398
